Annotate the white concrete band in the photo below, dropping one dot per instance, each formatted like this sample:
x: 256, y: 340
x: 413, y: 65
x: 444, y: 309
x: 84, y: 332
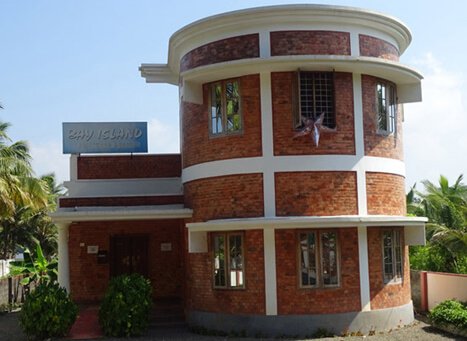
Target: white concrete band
x: 296, y: 163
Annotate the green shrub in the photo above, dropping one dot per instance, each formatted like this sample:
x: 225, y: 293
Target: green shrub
x: 125, y: 308
x: 47, y: 312
x: 450, y: 312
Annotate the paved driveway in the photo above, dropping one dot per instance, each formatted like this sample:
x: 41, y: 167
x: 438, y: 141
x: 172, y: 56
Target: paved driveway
x: 419, y: 331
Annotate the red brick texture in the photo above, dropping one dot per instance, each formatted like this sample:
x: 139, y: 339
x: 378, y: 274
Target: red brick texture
x: 241, y: 47
x: 292, y: 299
x: 285, y: 105
x: 129, y: 167
x: 316, y: 193
x: 375, y: 47
x: 385, y: 194
x: 121, y: 201
x: 285, y: 43
x: 378, y: 144
x: 89, y: 280
x: 250, y: 300
x: 385, y: 295
x: 198, y: 146
x: 235, y: 196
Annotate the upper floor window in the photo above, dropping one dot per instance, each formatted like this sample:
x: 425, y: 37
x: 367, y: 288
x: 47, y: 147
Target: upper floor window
x: 319, y: 265
x: 225, y: 109
x: 386, y: 107
x: 228, y: 260
x: 316, y: 96
x: 392, y: 256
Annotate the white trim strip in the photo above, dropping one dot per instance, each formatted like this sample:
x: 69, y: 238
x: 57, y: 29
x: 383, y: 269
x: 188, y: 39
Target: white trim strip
x: 292, y: 164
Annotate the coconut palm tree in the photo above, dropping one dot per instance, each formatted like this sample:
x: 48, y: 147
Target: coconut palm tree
x: 445, y: 206
x: 20, y: 191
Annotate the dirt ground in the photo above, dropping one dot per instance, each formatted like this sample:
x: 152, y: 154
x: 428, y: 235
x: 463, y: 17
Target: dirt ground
x: 419, y: 330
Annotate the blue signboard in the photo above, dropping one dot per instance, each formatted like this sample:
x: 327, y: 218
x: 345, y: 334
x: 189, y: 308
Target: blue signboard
x: 105, y: 137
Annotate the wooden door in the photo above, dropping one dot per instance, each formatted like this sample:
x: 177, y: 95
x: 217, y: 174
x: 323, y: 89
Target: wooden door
x: 129, y: 254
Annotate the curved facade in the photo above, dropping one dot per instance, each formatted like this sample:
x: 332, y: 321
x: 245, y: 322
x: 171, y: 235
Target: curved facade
x: 283, y: 229
x: 278, y: 232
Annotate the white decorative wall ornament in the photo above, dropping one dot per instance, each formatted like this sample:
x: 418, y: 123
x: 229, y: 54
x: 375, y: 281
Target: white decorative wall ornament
x: 313, y: 128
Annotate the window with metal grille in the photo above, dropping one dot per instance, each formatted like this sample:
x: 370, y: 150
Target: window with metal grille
x: 316, y: 97
x: 392, y: 256
x: 228, y: 260
x: 386, y: 108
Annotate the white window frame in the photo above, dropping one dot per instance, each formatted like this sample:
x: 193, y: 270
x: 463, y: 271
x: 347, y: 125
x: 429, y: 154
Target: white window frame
x: 397, y: 257
x: 319, y: 259
x: 386, y: 108
x: 214, y: 131
x: 239, y: 273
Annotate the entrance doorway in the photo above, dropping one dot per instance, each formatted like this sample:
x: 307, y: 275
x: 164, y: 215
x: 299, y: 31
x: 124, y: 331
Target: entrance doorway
x: 129, y: 254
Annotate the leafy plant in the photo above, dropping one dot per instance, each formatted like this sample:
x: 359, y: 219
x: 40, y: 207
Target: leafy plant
x: 37, y: 269
x: 125, y: 308
x: 450, y: 312
x: 47, y: 312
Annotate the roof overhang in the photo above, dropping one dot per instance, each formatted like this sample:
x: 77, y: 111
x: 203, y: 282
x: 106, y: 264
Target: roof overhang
x: 84, y: 213
x: 307, y: 222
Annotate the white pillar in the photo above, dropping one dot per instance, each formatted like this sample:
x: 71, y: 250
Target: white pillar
x: 270, y: 281
x: 73, y: 167
x: 267, y: 142
x: 63, y: 258
x: 359, y: 143
x: 364, y: 268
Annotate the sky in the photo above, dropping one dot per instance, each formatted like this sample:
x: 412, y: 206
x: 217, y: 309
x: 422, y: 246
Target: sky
x: 77, y: 61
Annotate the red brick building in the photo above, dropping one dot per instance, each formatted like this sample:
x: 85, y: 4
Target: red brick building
x: 254, y: 226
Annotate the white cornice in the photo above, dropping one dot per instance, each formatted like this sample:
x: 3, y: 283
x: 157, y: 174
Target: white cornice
x: 307, y: 222
x: 256, y: 19
x: 158, y: 73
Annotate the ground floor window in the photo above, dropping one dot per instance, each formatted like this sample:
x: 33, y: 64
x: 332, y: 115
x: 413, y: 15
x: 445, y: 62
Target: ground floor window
x: 392, y: 256
x: 319, y: 259
x: 228, y: 260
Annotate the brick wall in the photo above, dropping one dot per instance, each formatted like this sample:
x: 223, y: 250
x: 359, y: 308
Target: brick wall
x: 378, y: 144
x: 375, y: 47
x: 246, y: 46
x: 285, y: 43
x: 121, y: 201
x: 316, y: 193
x: 285, y: 103
x: 89, y: 280
x: 250, y: 300
x: 128, y: 167
x: 292, y: 299
x: 234, y: 196
x: 198, y: 146
x: 385, y: 194
x: 385, y: 295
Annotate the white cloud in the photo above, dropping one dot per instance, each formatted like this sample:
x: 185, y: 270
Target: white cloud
x: 435, y: 129
x: 163, y: 137
x: 48, y: 158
